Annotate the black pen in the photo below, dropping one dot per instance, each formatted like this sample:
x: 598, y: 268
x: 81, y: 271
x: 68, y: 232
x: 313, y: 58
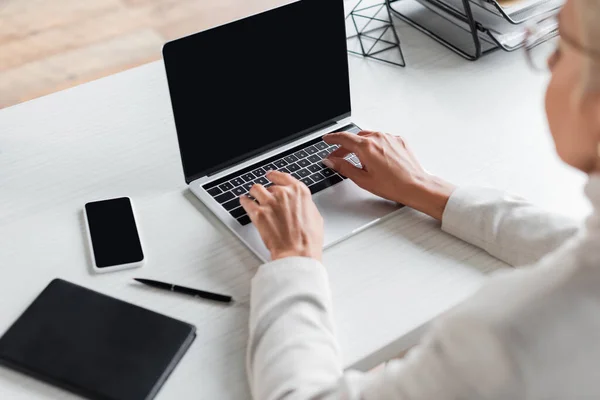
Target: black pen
x: 189, y: 291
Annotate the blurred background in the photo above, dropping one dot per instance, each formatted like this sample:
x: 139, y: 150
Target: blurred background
x: 50, y: 45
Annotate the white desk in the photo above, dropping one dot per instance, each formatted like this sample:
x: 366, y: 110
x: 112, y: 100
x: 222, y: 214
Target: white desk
x: 474, y: 123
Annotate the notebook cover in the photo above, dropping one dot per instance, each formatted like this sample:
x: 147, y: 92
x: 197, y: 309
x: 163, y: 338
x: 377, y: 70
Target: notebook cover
x: 94, y: 345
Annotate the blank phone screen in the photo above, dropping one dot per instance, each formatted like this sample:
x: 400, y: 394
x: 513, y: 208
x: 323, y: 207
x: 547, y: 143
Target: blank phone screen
x: 114, y: 235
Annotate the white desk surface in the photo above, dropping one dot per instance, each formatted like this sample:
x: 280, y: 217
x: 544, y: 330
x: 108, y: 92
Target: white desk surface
x: 476, y: 123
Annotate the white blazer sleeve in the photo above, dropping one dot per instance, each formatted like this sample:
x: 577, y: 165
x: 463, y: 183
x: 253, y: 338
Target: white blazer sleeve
x: 507, y: 227
x: 292, y: 350
x: 293, y: 353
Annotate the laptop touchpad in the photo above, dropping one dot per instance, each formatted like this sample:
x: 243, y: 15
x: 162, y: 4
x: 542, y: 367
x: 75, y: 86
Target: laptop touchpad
x: 346, y: 208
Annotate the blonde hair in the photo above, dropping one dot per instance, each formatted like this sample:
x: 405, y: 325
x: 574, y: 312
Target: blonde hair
x: 589, y: 16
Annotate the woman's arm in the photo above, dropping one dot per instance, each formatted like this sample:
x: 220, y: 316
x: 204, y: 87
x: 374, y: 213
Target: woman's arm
x: 293, y: 353
x: 291, y: 334
x: 506, y: 227
x: 292, y: 350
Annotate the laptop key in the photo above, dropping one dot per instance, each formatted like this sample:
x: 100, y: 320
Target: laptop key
x: 317, y: 177
x: 307, y: 181
x: 214, y: 191
x: 303, y: 173
x: 248, y: 185
x: 237, y: 181
x: 259, y: 172
x: 248, y: 177
x: 324, y: 184
x: 353, y: 159
x: 327, y: 172
x: 237, y: 212
x: 226, y: 186
x: 239, y: 191
x: 224, y: 197
x: 311, y: 149
x: 323, y: 154
x: 297, y: 176
x: 230, y: 205
x: 280, y: 163
x: 315, y: 167
x: 262, y: 180
x: 291, y: 158
x: 245, y: 220
x: 321, y: 145
x: 269, y: 167
x: 284, y: 170
x: 314, y: 158
x: 301, y: 154
x: 293, y: 167
x: 304, y: 163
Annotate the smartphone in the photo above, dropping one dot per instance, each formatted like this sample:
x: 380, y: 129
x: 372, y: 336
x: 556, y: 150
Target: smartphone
x: 113, y: 235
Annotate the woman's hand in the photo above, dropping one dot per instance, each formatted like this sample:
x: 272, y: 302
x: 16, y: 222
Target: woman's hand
x: 286, y: 217
x: 389, y: 170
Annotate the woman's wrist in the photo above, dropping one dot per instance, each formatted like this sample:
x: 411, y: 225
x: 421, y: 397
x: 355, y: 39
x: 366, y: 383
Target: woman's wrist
x: 432, y: 195
x: 280, y: 254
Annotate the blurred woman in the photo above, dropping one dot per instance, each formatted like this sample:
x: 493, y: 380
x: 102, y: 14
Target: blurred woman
x: 530, y: 334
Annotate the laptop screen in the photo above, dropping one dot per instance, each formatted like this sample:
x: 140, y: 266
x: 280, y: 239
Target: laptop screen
x: 248, y: 86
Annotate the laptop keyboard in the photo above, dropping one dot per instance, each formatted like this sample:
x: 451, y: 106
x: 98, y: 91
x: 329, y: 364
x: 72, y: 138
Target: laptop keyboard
x: 303, y: 162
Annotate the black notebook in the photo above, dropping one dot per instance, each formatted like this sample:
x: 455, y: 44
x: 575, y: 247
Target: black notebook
x: 94, y: 345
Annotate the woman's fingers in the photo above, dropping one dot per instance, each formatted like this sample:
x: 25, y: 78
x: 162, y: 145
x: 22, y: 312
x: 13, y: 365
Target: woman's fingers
x: 249, y: 205
x: 346, y: 168
x: 366, y: 133
x: 340, y: 153
x: 347, y: 140
x: 261, y: 194
x: 280, y: 178
x: 343, y: 151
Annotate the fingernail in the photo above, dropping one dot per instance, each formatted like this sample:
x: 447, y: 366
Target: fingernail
x: 328, y: 163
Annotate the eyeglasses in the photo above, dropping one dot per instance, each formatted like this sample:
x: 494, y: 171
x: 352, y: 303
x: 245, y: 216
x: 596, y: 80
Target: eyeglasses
x: 542, y: 44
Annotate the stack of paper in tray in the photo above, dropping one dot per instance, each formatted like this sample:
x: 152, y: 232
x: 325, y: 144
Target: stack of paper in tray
x: 503, y: 22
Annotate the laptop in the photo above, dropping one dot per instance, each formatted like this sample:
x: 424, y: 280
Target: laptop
x: 258, y: 94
